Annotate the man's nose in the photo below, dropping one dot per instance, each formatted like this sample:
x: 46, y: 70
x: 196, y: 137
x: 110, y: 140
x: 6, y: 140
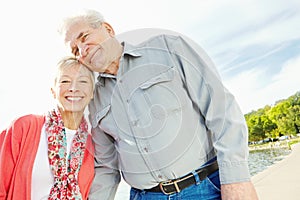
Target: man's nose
x: 82, y: 48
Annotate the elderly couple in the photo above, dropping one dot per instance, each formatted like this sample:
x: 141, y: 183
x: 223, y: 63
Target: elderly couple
x: 160, y: 117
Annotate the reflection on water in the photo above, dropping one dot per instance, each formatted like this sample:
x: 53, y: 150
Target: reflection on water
x: 260, y: 160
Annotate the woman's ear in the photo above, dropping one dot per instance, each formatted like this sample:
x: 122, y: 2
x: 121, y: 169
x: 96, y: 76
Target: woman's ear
x: 53, y: 93
x: 93, y: 93
x: 109, y: 28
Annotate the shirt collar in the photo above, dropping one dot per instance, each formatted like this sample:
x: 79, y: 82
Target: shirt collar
x: 130, y: 49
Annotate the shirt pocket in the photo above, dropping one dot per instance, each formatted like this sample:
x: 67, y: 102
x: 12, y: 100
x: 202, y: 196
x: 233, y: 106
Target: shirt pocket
x: 163, y: 90
x: 161, y: 78
x: 98, y: 116
x: 157, y: 99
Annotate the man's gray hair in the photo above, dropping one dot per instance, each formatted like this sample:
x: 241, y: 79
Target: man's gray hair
x: 92, y: 17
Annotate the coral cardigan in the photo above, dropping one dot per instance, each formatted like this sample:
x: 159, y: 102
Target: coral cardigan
x: 18, y: 149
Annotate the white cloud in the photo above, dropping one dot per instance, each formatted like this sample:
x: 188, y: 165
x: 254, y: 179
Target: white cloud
x: 238, y: 24
x: 31, y: 46
x: 245, y: 87
x: 287, y: 81
x: 251, y: 96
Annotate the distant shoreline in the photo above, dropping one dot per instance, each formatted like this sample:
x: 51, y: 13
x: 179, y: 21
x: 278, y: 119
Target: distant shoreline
x: 277, y: 144
x: 271, y: 145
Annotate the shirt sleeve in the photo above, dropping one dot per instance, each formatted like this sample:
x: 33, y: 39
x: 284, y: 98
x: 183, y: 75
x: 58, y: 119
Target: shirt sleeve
x: 107, y: 176
x: 222, y: 115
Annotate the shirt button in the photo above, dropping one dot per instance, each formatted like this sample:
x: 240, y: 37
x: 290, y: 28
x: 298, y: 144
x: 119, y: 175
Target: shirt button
x: 134, y: 123
x: 146, y: 149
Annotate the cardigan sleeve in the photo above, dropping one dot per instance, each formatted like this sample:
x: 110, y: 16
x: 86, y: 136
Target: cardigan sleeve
x: 8, y: 156
x: 18, y: 145
x: 2, y: 135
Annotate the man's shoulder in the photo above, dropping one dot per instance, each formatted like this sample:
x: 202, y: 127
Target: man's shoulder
x: 161, y: 41
x: 163, y: 37
x: 142, y: 36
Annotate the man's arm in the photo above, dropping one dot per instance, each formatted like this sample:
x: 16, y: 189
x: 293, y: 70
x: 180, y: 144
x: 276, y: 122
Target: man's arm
x: 107, y: 176
x: 223, y: 118
x: 238, y: 191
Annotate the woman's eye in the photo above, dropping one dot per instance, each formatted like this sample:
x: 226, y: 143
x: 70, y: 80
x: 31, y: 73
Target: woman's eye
x: 83, y: 81
x: 64, y: 81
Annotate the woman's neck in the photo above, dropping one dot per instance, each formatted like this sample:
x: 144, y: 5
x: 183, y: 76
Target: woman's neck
x: 72, y: 120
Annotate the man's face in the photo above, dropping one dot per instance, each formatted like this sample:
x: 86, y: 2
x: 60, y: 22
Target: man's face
x: 92, y: 46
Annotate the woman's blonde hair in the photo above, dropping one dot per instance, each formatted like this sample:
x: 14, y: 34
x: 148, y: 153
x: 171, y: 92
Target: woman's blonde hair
x: 70, y: 61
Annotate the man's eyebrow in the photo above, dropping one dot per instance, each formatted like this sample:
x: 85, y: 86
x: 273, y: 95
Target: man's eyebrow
x: 80, y: 35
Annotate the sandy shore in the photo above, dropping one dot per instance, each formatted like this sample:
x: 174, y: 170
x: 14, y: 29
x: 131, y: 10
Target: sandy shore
x: 281, y: 180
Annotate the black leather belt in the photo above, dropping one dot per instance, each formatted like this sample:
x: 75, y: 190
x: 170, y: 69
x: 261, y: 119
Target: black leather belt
x: 176, y: 185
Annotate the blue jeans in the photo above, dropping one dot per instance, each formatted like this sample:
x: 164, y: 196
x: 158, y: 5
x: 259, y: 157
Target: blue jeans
x: 208, y: 189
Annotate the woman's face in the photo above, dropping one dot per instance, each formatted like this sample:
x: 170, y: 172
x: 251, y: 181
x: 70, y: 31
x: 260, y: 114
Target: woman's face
x: 73, y: 89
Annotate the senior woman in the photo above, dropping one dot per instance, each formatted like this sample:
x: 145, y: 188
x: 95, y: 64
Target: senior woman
x: 51, y: 156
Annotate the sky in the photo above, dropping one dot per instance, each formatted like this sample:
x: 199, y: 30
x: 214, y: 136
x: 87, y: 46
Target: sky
x: 255, y: 45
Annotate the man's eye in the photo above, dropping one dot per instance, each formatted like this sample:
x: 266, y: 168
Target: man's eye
x: 84, y: 37
x: 75, y: 52
x: 64, y: 81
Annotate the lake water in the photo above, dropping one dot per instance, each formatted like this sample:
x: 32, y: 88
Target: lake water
x: 259, y: 160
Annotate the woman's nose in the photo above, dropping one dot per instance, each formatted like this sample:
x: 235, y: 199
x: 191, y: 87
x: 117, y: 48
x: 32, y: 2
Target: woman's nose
x: 73, y: 87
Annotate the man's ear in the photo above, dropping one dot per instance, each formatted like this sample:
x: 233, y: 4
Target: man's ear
x: 109, y: 28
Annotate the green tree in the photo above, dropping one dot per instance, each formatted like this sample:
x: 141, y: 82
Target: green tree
x: 283, y: 118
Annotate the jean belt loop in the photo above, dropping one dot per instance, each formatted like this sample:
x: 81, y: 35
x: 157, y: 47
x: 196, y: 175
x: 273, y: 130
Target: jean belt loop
x: 196, y: 176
